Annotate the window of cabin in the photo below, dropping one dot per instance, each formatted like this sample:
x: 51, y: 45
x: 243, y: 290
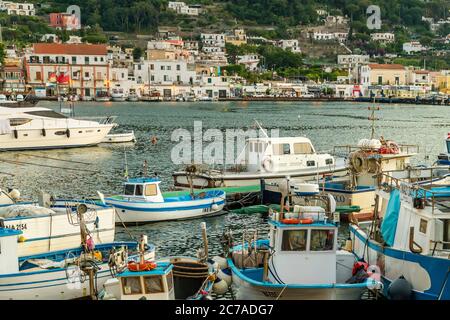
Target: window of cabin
x: 310, y: 163
x: 423, y: 226
x: 129, y: 189
x: 280, y: 149
x: 153, y: 284
x: 131, y: 285
x: 251, y: 147
x: 151, y: 190
x: 302, y: 148
x: 294, y: 240
x: 138, y: 191
x: 322, y: 240
x: 329, y: 161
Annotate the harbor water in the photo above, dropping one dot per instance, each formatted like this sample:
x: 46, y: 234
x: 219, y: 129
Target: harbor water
x: 80, y: 172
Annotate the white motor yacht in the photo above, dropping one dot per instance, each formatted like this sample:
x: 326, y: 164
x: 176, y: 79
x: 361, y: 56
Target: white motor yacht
x: 43, y: 128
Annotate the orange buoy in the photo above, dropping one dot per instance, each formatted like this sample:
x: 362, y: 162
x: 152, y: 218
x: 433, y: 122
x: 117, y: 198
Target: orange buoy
x: 137, y: 266
x: 297, y: 221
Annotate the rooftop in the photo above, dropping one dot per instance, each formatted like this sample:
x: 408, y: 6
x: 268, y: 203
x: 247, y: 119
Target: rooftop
x: 386, y: 66
x: 73, y: 49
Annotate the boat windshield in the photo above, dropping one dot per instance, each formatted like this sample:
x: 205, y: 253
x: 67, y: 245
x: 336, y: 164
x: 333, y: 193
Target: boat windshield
x: 294, y: 240
x: 47, y: 114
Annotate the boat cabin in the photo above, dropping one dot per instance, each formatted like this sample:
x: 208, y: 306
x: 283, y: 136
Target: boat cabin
x: 444, y: 158
x: 156, y: 284
x: 282, y: 154
x: 9, y: 251
x: 308, y: 248
x: 145, y: 189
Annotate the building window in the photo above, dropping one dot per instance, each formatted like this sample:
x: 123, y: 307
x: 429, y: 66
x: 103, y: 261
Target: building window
x: 169, y: 68
x: 178, y: 67
x: 86, y: 60
x: 74, y: 60
x: 179, y: 78
x: 209, y: 80
x: 166, y: 78
x: 397, y: 80
x: 162, y: 68
x: 380, y: 80
x: 152, y: 78
x: 38, y: 75
x: 152, y: 67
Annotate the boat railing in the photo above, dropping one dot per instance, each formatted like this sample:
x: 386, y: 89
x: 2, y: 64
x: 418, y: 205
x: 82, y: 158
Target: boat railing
x: 421, y: 197
x: 345, y: 150
x: 99, y: 119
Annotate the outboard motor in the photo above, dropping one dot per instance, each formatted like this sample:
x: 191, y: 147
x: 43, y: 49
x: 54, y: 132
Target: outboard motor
x: 400, y: 289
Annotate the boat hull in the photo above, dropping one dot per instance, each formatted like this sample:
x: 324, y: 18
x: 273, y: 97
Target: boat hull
x: 44, y: 233
x: 52, y: 284
x: 426, y: 274
x: 119, y: 138
x: 249, y: 179
x: 249, y: 289
x: 32, y: 139
x: 142, y: 212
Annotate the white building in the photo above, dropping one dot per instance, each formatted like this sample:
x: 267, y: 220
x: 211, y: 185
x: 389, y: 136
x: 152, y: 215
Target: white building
x: 164, y: 72
x: 84, y: 68
x: 213, y: 39
x: 384, y: 37
x: 349, y: 60
x: 50, y: 37
x: 291, y: 45
x: 182, y: 8
x: 15, y: 8
x: 250, y: 61
x: 329, y: 36
x: 414, y: 46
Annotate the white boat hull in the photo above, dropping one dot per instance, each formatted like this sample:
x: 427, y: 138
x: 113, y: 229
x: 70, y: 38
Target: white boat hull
x: 33, y: 138
x: 46, y: 233
x: 51, y: 284
x: 141, y: 212
x: 119, y: 138
x: 248, y: 291
x: 250, y: 179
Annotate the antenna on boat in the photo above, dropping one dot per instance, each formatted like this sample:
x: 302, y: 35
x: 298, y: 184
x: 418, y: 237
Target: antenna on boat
x: 126, y: 163
x: 261, y: 128
x: 373, y: 118
x: 145, y: 167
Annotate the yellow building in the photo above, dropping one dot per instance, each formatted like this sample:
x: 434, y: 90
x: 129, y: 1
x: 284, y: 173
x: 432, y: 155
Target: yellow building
x: 237, y: 38
x: 442, y: 83
x: 383, y: 74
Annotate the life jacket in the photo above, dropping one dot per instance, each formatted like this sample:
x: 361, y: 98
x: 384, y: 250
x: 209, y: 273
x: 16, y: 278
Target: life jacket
x: 359, y: 265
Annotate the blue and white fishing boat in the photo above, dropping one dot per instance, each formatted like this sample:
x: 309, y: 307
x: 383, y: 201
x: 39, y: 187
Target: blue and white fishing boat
x: 46, y: 224
x: 301, y: 259
x: 142, y: 201
x: 444, y: 158
x: 58, y: 275
x: 411, y: 248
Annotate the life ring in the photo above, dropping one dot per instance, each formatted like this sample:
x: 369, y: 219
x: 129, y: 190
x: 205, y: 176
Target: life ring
x: 137, y: 266
x: 267, y: 164
x: 297, y: 221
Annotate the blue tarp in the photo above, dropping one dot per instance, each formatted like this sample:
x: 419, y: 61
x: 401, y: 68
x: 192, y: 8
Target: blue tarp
x: 389, y: 224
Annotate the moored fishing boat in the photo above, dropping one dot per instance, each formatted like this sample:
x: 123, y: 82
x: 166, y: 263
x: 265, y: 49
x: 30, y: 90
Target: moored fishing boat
x: 267, y: 158
x: 142, y: 201
x: 166, y: 279
x: 409, y: 237
x: 301, y: 259
x: 64, y: 274
x: 46, y: 226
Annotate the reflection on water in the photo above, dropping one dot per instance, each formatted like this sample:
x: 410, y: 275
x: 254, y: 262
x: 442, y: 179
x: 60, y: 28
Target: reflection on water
x: 87, y: 170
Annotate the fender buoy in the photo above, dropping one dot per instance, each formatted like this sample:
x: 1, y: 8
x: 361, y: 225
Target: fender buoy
x: 68, y: 133
x: 16, y: 134
x: 297, y: 221
x: 267, y: 164
x: 145, y: 266
x: 43, y: 132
